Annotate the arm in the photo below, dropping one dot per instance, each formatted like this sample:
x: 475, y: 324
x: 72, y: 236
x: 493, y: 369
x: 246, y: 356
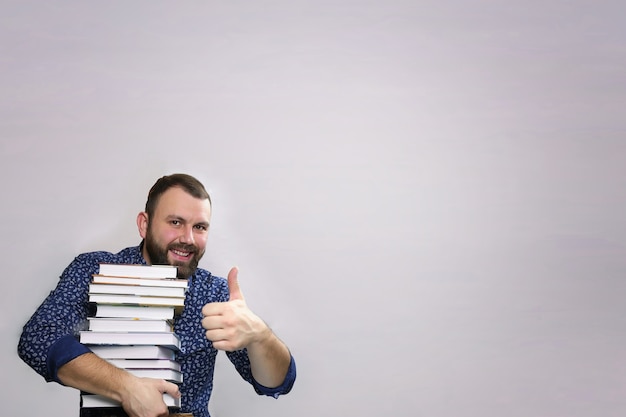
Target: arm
x: 233, y: 326
x: 49, y: 343
x: 269, y: 358
x: 49, y: 338
x: 139, y: 396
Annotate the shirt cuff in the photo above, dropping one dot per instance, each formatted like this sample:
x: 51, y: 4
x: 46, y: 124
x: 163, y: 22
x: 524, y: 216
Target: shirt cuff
x: 61, y: 352
x: 284, y: 388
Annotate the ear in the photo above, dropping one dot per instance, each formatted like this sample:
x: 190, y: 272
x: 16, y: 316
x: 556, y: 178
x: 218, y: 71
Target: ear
x: 142, y: 224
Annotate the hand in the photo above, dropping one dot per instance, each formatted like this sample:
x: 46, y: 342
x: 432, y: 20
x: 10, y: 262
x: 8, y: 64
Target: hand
x: 232, y: 325
x: 140, y: 397
x: 144, y: 397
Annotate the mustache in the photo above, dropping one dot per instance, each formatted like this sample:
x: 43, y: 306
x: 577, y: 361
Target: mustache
x: 183, y: 247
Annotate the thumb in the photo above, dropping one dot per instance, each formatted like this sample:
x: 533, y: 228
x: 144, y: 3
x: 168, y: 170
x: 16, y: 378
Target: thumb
x: 233, y: 285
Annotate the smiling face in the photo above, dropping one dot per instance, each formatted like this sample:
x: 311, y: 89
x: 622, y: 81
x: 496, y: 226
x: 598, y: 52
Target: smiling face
x: 177, y: 232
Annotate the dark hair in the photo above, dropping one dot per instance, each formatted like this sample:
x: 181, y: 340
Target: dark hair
x: 188, y: 183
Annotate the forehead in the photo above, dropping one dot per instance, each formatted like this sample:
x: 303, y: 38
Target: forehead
x: 177, y: 202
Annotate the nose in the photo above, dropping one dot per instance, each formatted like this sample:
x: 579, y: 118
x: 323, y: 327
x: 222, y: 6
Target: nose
x: 186, y: 235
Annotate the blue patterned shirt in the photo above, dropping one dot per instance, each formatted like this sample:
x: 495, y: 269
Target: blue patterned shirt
x: 50, y: 337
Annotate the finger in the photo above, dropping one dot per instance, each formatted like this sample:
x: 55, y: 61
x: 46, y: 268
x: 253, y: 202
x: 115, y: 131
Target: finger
x: 172, y: 389
x: 212, y: 309
x: 212, y: 322
x: 225, y: 345
x: 216, y: 335
x: 233, y: 285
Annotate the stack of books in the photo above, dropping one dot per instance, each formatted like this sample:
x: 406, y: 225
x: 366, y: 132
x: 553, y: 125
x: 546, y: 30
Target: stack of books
x: 131, y: 326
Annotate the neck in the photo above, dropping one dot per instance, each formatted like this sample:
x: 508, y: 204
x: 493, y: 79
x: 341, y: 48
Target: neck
x: 144, y: 252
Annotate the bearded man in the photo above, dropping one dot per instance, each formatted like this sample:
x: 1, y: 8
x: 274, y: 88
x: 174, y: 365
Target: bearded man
x: 174, y: 229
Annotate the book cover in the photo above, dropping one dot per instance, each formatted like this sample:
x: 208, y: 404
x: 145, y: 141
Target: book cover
x: 119, y: 412
x: 102, y: 412
x: 138, y: 270
x: 128, y: 324
x: 94, y: 400
x: 166, y: 339
x: 133, y: 352
x: 145, y: 364
x: 140, y: 300
x: 133, y: 311
x: 152, y: 282
x: 96, y: 288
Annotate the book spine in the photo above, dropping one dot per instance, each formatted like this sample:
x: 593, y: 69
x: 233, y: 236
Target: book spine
x: 119, y: 412
x: 102, y: 412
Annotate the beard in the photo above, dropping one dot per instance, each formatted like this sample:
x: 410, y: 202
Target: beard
x: 158, y: 255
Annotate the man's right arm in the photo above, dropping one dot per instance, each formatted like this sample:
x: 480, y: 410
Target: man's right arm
x: 140, y: 397
x: 49, y: 344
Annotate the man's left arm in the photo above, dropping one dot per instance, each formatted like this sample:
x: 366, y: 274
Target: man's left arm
x: 269, y: 359
x: 233, y: 326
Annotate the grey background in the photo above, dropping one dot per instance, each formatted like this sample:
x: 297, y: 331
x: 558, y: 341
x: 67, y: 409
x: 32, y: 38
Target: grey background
x: 425, y: 199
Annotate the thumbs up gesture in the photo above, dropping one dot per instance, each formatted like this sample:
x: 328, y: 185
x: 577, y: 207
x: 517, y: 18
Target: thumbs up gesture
x: 231, y: 325
x: 233, y: 285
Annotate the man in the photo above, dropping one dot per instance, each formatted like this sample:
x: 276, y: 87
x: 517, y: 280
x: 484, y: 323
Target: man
x: 174, y: 229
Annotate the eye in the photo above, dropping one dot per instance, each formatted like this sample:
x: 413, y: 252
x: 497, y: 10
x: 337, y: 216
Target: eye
x: 175, y: 222
x: 201, y: 227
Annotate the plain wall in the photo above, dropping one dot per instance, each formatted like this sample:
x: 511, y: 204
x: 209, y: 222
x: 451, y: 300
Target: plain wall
x: 425, y: 199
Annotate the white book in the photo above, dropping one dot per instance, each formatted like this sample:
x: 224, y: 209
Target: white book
x: 141, y: 312
x: 138, y: 270
x: 140, y: 300
x: 128, y: 324
x: 145, y: 364
x: 167, y: 374
x: 151, y: 282
x: 95, y: 400
x: 95, y: 288
x: 133, y: 352
x: 130, y: 338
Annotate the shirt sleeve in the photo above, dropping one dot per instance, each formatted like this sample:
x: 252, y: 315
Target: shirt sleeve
x: 242, y: 364
x: 284, y: 388
x: 50, y: 337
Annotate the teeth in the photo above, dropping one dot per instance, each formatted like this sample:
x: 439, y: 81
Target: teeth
x: 179, y: 253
